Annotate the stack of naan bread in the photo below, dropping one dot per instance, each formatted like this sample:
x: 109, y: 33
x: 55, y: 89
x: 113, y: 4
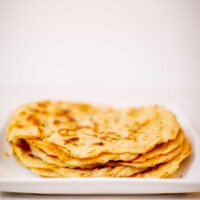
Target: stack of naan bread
x: 66, y: 139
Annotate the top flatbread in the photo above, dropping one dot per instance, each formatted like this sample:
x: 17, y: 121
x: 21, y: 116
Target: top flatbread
x: 85, y: 131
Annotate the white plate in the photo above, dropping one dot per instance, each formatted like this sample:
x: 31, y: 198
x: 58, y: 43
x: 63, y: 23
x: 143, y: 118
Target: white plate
x: 16, y: 178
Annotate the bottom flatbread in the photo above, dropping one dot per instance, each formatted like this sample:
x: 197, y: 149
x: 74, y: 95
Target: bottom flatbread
x: 46, y: 173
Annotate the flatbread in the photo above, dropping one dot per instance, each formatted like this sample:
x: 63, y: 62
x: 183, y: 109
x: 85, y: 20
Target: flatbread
x: 67, y: 139
x: 35, y: 163
x: 80, y: 163
x: 165, y: 170
x: 117, y: 171
x: 154, y: 161
x: 47, y: 173
x: 162, y: 149
x: 159, y: 153
x: 85, y: 131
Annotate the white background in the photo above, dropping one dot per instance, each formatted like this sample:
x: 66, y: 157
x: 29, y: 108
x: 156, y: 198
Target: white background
x: 130, y: 43
x: 151, y: 48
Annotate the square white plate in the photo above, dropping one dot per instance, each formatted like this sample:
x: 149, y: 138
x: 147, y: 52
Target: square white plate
x: 16, y: 178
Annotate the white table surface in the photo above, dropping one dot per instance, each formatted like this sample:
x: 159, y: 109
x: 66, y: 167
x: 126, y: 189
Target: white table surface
x: 150, y: 48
